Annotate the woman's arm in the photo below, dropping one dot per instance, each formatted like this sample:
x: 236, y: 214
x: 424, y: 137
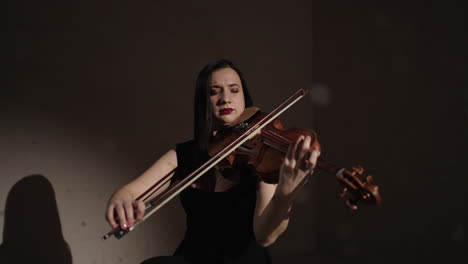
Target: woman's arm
x: 271, y: 214
x: 122, y: 204
x: 274, y: 201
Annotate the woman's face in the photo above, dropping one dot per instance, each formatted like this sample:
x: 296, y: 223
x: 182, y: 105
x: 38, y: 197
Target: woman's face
x: 226, y: 96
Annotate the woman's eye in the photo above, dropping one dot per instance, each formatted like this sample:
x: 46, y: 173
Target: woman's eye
x: 235, y: 90
x: 213, y: 92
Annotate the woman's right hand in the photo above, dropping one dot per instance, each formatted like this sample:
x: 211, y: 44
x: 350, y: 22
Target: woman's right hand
x: 123, y: 212
x: 122, y: 208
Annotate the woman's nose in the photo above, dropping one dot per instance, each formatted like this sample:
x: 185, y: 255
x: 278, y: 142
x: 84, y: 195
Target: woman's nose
x: 225, y: 99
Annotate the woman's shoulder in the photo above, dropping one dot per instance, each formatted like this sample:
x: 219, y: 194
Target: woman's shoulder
x: 186, y: 155
x: 188, y: 143
x: 185, y: 147
x: 189, y: 155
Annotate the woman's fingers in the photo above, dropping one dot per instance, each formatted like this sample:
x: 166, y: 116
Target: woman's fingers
x: 302, y: 154
x: 123, y: 213
x: 119, y: 209
x: 110, y: 216
x: 290, y: 160
x: 293, y: 148
x: 140, y: 206
x: 313, y: 159
x: 299, y: 148
x: 128, y: 206
x: 299, y: 156
x: 304, y: 149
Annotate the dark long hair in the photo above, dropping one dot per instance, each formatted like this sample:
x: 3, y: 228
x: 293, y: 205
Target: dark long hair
x: 203, y: 113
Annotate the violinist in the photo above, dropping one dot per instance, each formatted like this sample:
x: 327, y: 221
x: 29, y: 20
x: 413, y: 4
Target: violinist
x: 232, y: 215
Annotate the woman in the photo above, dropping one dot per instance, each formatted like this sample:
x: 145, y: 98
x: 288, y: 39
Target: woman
x: 231, y: 216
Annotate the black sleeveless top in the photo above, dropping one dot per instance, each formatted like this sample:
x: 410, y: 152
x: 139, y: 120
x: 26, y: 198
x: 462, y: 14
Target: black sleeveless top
x: 219, y: 224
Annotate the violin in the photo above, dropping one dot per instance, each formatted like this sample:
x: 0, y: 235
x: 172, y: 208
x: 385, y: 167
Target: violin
x: 260, y: 140
x: 266, y: 152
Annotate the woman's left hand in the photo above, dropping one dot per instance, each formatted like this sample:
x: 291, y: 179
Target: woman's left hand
x: 297, y: 166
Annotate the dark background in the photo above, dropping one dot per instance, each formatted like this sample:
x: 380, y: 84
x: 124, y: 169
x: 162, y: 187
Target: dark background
x: 97, y: 90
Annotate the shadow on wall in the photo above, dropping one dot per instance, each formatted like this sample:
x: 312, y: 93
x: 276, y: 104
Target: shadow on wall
x: 32, y: 232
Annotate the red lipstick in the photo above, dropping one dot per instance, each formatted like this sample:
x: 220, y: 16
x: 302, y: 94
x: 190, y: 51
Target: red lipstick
x: 226, y: 111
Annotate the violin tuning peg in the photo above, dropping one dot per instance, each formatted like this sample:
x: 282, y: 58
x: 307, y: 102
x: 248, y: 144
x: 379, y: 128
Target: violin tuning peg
x: 359, y: 169
x: 343, y: 192
x: 369, y: 179
x: 351, y: 205
x: 367, y: 197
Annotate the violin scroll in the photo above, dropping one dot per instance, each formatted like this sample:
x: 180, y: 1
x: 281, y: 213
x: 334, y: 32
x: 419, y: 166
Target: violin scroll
x: 356, y: 190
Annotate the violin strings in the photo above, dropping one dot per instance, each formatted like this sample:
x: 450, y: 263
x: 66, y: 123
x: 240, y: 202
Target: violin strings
x: 282, y: 143
x: 279, y: 137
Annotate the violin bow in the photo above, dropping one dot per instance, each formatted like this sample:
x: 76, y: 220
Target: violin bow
x: 159, y: 201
